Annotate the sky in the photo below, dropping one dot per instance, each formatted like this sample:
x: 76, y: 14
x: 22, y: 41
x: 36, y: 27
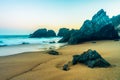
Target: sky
x: 26, y: 16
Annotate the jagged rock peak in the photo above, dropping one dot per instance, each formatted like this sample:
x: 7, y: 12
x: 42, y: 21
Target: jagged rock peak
x: 100, y: 12
x: 100, y: 17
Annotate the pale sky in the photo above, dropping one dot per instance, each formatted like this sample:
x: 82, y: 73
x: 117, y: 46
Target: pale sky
x: 25, y: 16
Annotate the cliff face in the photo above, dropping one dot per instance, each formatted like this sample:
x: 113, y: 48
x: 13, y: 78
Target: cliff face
x: 99, y: 28
x: 116, y: 23
x: 116, y: 20
x: 99, y: 20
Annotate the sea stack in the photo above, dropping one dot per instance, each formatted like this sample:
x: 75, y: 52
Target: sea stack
x: 43, y: 33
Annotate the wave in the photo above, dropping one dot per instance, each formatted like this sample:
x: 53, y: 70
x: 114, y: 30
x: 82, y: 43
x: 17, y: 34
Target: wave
x: 17, y: 40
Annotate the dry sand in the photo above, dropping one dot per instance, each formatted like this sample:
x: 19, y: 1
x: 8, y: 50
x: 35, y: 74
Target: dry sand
x: 42, y: 66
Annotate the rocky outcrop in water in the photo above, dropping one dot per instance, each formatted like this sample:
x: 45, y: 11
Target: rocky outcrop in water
x: 51, y: 33
x: 101, y: 27
x: 62, y: 32
x: 43, y: 33
x: 91, y: 58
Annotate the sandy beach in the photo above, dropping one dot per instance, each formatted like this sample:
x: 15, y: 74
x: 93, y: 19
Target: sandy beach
x: 42, y: 66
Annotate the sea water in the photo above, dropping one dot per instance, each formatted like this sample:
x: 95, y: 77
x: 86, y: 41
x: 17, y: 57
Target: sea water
x: 14, y: 44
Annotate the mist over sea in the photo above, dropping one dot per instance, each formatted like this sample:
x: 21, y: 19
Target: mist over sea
x: 14, y: 44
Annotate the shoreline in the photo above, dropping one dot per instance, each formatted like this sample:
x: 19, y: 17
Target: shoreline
x: 18, y: 49
x: 43, y: 66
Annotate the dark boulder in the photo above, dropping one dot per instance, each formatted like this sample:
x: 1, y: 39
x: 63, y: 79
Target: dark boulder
x: 91, y: 58
x: 52, y: 42
x: 65, y: 67
x: 25, y: 43
x: 53, y: 52
x: 43, y: 33
x: 62, y: 32
x: 106, y: 32
x: 67, y: 36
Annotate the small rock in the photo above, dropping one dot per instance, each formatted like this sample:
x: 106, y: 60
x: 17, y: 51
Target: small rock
x: 25, y: 43
x: 53, y: 52
x: 116, y: 39
x: 93, y: 42
x: 52, y: 42
x: 66, y: 67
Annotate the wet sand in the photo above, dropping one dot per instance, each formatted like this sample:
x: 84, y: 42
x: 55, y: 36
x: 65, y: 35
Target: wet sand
x: 42, y: 66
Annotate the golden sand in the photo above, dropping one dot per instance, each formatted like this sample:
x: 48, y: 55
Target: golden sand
x: 42, y: 66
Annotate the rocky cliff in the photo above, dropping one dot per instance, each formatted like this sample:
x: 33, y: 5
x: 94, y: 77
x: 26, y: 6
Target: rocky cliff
x: 99, y: 28
x: 116, y: 22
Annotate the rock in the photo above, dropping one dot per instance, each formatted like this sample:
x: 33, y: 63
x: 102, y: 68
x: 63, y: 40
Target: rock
x: 91, y: 58
x: 62, y: 32
x: 99, y: 28
x: 106, y: 32
x: 53, y: 52
x: 93, y: 42
x: 25, y: 43
x: 67, y: 36
x: 116, y: 20
x: 66, y: 67
x: 52, y: 42
x: 100, y: 19
x: 51, y: 33
x: 75, y: 59
x: 43, y: 33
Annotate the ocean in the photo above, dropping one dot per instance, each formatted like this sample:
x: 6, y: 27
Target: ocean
x: 14, y: 44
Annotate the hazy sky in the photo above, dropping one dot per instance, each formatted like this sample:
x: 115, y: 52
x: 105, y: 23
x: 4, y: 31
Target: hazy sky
x: 25, y: 16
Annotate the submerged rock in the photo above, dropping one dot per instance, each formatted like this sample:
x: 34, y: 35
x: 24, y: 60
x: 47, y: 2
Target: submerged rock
x: 91, y: 58
x: 53, y: 52
x: 51, y: 33
x: 25, y: 43
x: 52, y: 42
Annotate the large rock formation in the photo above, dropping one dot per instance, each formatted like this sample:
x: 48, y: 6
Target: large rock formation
x: 62, y: 32
x: 67, y: 36
x: 99, y: 28
x: 91, y: 58
x: 116, y: 20
x: 51, y: 33
x: 116, y: 23
x: 43, y: 33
